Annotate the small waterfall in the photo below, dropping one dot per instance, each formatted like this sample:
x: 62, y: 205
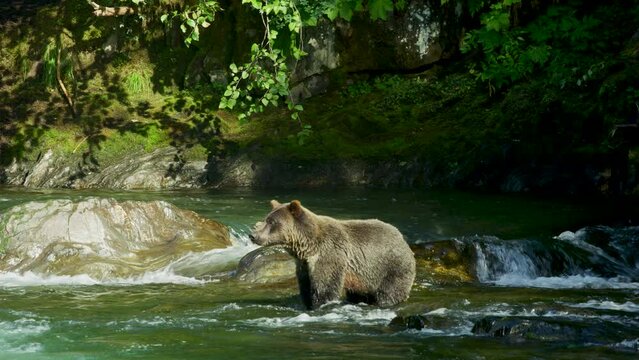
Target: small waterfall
x: 591, y: 257
x: 496, y: 257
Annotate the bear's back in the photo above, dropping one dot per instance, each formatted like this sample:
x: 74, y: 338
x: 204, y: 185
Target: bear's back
x: 376, y: 244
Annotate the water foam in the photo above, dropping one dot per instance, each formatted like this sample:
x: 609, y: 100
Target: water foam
x: 16, y: 336
x: 360, y: 315
x: 134, y: 324
x: 565, y: 282
x: 29, y: 278
x: 607, y: 305
x: 628, y: 344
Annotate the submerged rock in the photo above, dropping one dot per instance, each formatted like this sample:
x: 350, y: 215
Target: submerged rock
x: 540, y: 329
x: 102, y: 238
x: 416, y: 322
x: 268, y: 264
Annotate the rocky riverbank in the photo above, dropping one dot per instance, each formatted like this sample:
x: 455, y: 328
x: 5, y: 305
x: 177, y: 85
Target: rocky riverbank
x: 164, y: 168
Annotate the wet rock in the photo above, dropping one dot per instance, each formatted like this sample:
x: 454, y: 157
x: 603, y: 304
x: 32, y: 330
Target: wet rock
x: 446, y: 262
x: 608, y: 251
x: 102, y: 238
x: 268, y: 264
x: 416, y: 322
x: 529, y: 329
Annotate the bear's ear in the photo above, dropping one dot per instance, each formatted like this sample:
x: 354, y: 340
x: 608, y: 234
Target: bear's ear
x: 274, y: 204
x: 295, y: 207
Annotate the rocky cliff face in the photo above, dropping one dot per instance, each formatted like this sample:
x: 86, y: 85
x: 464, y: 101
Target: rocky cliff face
x: 418, y: 36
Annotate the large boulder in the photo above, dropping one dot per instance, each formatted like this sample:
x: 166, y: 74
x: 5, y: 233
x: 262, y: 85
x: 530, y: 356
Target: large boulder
x: 103, y: 238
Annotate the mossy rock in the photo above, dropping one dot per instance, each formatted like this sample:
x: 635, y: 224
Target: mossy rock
x: 445, y: 262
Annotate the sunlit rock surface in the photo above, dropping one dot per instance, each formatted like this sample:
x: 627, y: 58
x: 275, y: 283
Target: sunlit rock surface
x: 102, y: 238
x: 268, y: 264
x: 157, y: 170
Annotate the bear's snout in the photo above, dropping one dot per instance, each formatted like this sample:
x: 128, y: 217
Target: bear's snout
x: 254, y: 235
x: 255, y: 240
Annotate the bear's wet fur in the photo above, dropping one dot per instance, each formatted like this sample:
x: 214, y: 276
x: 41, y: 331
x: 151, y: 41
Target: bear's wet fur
x: 361, y: 260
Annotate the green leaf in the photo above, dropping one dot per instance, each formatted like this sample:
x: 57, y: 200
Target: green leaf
x: 311, y: 21
x: 191, y: 23
x: 332, y: 13
x: 379, y: 9
x: 345, y: 13
x: 233, y: 68
x: 511, y: 2
x: 164, y: 17
x: 294, y: 27
x: 475, y: 5
x: 497, y: 21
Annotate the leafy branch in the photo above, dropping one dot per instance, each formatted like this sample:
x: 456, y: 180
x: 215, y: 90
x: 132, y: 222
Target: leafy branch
x: 264, y: 80
x: 192, y: 18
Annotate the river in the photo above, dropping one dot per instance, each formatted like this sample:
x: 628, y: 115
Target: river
x: 587, y: 307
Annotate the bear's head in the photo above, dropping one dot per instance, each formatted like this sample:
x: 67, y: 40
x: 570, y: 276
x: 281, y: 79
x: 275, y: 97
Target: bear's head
x: 286, y: 224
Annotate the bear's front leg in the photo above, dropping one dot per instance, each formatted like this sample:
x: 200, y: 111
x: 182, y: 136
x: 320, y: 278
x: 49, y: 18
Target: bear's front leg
x: 327, y: 281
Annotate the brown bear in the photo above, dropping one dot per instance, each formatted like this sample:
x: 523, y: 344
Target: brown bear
x: 363, y: 260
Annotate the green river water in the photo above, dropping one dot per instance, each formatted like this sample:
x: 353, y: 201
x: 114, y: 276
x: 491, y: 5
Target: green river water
x: 164, y: 316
